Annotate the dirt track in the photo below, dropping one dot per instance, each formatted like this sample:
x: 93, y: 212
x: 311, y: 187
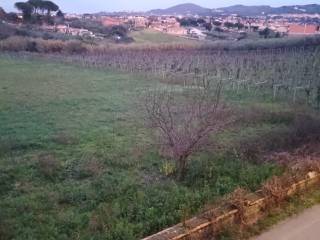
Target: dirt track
x: 305, y: 226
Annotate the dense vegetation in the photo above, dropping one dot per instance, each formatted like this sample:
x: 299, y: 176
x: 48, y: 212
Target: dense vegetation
x: 97, y: 27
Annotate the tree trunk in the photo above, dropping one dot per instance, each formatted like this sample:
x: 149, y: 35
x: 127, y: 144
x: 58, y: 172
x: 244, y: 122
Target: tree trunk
x: 181, y: 168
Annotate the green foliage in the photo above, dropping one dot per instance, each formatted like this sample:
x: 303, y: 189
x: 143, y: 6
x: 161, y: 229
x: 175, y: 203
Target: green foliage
x: 226, y: 172
x: 18, y: 44
x: 269, y: 33
x: 32, y: 8
x: 26, y: 9
x: 188, y: 22
x: 98, y: 27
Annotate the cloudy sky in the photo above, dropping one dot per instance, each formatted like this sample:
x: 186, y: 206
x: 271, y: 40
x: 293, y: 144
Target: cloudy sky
x: 81, y: 6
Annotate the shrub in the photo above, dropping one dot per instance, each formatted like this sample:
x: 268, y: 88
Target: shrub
x: 74, y: 47
x: 306, y: 128
x: 301, y: 129
x: 50, y: 46
x: 183, y: 129
x: 31, y: 46
x: 276, y: 189
x: 18, y: 44
x: 23, y: 32
x: 14, y: 44
x: 6, y: 31
x: 238, y: 200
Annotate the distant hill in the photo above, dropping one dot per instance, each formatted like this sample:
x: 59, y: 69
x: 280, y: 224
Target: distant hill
x: 193, y: 9
x: 182, y: 9
x: 260, y: 10
x: 122, y: 13
x: 246, y: 10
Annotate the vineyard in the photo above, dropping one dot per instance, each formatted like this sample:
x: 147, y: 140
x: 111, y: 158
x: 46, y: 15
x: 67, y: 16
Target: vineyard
x: 291, y: 74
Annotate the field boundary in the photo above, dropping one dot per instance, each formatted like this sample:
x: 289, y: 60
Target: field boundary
x: 208, y: 224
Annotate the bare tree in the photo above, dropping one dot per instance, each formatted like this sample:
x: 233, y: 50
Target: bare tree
x: 185, y: 120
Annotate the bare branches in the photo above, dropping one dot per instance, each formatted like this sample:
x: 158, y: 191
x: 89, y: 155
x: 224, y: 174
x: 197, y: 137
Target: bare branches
x: 185, y: 120
x: 259, y: 70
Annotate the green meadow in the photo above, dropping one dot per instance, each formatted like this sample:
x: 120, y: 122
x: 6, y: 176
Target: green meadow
x: 77, y: 160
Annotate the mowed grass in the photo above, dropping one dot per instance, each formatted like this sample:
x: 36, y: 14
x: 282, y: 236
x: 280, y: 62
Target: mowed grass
x: 76, y: 160
x: 154, y: 37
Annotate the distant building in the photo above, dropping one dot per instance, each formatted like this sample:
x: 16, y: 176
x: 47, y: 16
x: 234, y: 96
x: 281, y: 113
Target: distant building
x: 62, y: 29
x: 282, y: 29
x: 168, y: 25
x: 177, y: 30
x: 73, y: 16
x: 87, y: 16
x: 139, y: 21
x: 295, y: 29
x: 197, y: 33
x: 70, y: 31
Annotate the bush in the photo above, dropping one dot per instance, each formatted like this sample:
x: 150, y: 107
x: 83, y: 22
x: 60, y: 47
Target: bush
x: 14, y: 44
x: 6, y: 31
x: 74, y: 47
x: 33, y: 32
x: 32, y: 46
x: 300, y: 130
x: 18, y: 44
x: 50, y: 46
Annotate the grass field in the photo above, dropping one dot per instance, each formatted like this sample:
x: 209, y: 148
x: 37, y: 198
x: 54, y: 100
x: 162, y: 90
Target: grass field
x: 76, y: 160
x: 154, y: 37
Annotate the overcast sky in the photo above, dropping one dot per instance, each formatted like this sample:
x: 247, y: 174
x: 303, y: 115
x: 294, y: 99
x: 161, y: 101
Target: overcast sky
x: 81, y: 6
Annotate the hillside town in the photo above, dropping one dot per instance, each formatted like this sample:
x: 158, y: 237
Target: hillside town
x: 221, y: 26
x: 198, y: 27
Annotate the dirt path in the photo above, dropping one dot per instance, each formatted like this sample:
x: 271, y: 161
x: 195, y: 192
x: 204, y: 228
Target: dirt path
x: 305, y: 226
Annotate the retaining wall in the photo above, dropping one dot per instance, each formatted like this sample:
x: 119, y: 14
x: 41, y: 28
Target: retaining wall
x: 204, y: 226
